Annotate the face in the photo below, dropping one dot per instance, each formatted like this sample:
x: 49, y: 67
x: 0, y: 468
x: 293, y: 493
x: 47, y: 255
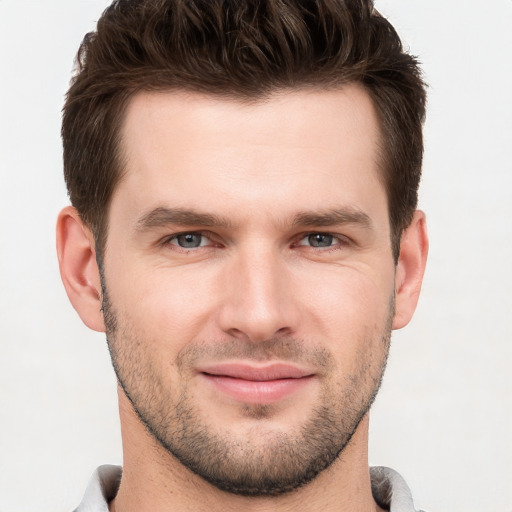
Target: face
x: 248, y: 280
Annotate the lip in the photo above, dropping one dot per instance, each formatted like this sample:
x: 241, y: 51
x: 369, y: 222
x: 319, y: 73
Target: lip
x: 256, y: 384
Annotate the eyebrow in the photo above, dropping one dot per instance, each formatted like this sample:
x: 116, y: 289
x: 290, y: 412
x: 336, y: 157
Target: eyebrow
x: 333, y: 217
x: 163, y: 216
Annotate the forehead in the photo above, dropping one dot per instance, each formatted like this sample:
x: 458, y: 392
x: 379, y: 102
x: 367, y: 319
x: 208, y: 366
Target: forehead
x: 327, y: 118
x: 308, y: 148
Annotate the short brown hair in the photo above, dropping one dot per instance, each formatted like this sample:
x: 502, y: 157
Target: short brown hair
x: 239, y: 49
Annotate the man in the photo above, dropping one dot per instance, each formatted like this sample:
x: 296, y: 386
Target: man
x: 244, y: 181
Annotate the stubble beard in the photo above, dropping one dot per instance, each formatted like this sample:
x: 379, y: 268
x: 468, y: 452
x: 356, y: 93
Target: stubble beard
x: 263, y: 462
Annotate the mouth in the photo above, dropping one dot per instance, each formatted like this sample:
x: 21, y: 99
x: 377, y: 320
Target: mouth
x: 256, y: 384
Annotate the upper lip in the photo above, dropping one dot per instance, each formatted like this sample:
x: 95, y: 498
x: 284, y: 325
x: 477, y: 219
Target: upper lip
x: 255, y: 372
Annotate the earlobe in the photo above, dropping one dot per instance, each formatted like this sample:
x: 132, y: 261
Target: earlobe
x: 410, y: 269
x: 78, y: 267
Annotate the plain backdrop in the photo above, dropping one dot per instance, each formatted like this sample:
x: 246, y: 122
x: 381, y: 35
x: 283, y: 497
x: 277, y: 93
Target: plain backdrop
x: 444, y: 415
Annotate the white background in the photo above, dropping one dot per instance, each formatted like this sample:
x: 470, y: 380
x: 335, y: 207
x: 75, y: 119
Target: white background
x: 444, y: 416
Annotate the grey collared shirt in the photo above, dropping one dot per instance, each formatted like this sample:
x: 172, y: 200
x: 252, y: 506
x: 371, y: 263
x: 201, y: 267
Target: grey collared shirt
x: 389, y: 490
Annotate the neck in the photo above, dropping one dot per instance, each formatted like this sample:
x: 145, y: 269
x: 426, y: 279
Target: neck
x: 153, y: 480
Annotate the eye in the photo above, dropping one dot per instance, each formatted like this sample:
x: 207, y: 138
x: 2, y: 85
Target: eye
x: 322, y: 241
x: 189, y: 240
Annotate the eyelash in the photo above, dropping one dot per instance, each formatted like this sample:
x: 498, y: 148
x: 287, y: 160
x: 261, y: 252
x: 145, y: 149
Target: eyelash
x: 342, y: 241
x: 167, y: 241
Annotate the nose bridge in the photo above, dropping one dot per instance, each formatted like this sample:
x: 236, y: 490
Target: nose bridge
x: 257, y: 303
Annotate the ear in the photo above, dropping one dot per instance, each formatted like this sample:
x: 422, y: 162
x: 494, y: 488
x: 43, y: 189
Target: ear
x: 410, y: 269
x: 78, y: 267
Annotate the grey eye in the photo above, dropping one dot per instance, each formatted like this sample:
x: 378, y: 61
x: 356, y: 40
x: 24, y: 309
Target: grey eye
x: 189, y: 240
x: 320, y: 240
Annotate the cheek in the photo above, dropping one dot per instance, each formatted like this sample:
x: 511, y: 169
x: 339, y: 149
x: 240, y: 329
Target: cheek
x: 166, y: 305
x: 351, y: 317
x: 356, y: 323
x: 346, y: 301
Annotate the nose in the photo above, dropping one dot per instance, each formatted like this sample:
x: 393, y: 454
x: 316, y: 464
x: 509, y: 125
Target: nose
x: 258, y: 301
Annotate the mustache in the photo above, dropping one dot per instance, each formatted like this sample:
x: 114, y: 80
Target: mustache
x: 282, y: 349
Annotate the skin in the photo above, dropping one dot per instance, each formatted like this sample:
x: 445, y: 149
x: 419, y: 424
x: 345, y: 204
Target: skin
x: 269, y: 170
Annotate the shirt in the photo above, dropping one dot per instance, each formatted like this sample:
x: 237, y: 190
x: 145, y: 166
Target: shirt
x: 388, y: 488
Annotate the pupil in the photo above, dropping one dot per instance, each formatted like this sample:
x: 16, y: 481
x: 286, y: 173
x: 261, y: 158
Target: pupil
x: 189, y: 241
x: 319, y: 240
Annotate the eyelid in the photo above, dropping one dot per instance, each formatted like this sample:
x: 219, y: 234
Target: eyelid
x: 343, y: 240
x: 206, y: 234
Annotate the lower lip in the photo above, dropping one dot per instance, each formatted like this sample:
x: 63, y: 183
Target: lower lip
x: 257, y: 392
